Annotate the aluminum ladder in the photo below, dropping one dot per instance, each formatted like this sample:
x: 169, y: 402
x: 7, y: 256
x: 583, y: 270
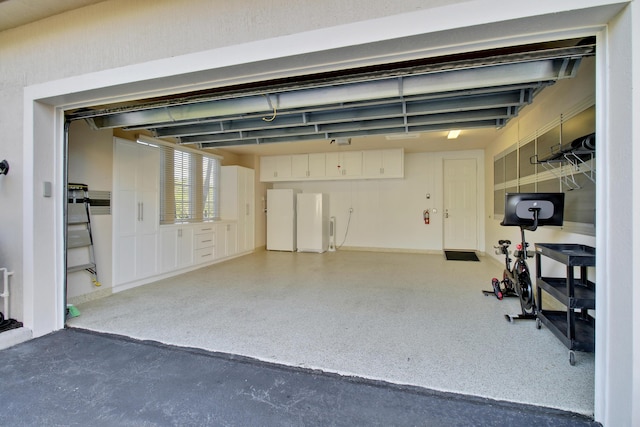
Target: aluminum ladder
x: 79, y: 229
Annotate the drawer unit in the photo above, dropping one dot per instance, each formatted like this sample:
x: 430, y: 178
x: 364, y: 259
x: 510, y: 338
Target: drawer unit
x: 204, y: 243
x: 204, y: 240
x: 204, y: 255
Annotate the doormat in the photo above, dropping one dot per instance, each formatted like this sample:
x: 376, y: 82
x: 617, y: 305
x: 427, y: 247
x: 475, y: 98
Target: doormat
x: 461, y: 256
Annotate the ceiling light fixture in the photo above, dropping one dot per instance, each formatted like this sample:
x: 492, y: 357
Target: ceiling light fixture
x: 399, y: 136
x: 453, y: 134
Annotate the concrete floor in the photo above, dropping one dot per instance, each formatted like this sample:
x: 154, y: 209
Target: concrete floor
x: 408, y: 319
x: 75, y: 378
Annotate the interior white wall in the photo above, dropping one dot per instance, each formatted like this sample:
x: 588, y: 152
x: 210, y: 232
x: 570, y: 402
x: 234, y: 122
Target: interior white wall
x: 387, y: 213
x: 90, y: 161
x: 33, y: 132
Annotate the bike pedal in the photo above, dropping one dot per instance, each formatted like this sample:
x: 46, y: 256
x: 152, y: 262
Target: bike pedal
x: 496, y: 288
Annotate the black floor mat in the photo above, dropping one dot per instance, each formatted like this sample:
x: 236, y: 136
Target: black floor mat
x: 461, y: 256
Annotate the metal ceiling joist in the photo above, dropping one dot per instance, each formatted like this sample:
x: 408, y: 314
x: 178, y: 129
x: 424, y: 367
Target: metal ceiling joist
x: 497, y: 106
x: 480, y: 118
x: 472, y: 92
x: 499, y: 75
x: 349, y: 134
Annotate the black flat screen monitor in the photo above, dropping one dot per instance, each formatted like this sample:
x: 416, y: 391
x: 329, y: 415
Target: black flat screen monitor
x: 517, y: 205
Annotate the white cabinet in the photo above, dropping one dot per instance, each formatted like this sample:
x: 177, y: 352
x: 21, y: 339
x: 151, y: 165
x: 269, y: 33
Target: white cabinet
x: 176, y: 247
x: 304, y: 166
x: 344, y: 164
x: 275, y: 168
x: 368, y: 164
x: 135, y: 211
x: 237, y: 200
x: 226, y: 238
x: 383, y: 163
x: 204, y: 243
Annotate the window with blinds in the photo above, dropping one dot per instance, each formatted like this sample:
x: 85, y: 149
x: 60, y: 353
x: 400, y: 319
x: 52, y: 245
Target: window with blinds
x: 189, y: 186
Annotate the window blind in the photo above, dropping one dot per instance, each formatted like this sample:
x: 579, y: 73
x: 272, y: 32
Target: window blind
x: 189, y: 189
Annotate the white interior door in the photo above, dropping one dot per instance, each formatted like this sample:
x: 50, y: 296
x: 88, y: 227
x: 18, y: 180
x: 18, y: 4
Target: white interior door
x: 460, y: 204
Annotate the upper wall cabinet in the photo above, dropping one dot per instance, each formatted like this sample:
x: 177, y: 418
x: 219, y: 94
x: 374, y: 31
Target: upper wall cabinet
x: 304, y: 166
x: 345, y: 164
x: 383, y: 163
x: 275, y: 168
x: 371, y: 164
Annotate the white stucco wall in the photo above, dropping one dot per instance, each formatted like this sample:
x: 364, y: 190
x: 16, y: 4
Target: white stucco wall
x: 119, y: 33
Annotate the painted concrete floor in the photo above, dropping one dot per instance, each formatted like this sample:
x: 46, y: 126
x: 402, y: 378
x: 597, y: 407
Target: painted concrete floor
x: 409, y: 319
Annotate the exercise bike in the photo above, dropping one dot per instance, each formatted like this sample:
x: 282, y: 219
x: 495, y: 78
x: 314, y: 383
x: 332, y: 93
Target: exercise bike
x: 527, y: 211
x: 516, y: 281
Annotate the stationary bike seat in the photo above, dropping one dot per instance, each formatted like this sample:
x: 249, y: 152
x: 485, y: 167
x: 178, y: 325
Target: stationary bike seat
x: 504, y: 242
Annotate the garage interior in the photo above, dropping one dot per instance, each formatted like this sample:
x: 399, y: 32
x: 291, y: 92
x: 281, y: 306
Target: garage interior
x: 398, y: 314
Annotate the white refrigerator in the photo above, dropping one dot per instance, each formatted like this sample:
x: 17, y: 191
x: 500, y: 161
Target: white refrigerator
x: 313, y: 222
x: 281, y: 219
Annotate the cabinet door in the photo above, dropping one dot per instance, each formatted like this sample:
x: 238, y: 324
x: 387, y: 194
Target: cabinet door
x: 135, y: 211
x: 393, y: 163
x: 185, y: 246
x: 241, y: 206
x: 148, y: 169
x: 221, y: 240
x: 147, y: 184
x: 283, y: 168
x: 300, y: 166
x: 333, y: 168
x: 124, y: 266
x: 168, y: 249
x: 268, y: 168
x: 146, y: 255
x: 372, y: 163
x: 147, y: 212
x: 250, y: 211
x: 383, y: 163
x: 317, y: 165
x: 232, y: 238
x: 351, y: 162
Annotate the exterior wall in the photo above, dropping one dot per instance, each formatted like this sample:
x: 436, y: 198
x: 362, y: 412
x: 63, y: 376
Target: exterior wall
x: 618, y: 212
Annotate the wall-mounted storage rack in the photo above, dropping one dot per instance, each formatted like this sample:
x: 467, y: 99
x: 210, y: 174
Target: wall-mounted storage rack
x: 565, y: 163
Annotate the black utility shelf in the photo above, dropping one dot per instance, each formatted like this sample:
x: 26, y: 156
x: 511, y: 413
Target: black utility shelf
x: 574, y: 327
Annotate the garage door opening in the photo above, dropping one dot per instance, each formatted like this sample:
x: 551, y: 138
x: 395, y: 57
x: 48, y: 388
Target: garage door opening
x: 399, y: 322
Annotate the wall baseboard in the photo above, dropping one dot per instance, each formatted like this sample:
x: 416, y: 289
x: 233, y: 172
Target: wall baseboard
x: 91, y: 296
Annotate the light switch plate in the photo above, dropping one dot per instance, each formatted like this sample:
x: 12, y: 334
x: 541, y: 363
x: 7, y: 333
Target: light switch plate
x: 46, y: 189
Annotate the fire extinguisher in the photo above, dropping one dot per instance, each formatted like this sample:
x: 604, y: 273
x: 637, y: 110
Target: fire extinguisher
x: 425, y: 215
